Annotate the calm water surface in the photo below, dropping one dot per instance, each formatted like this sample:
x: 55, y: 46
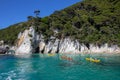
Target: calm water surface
x: 43, y: 67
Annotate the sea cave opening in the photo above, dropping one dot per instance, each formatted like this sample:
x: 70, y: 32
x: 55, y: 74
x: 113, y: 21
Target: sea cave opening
x: 37, y: 50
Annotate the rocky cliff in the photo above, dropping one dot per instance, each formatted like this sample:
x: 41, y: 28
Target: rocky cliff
x: 31, y: 42
x: 25, y: 41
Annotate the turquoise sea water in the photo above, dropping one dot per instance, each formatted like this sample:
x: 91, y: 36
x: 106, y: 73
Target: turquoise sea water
x: 43, y: 67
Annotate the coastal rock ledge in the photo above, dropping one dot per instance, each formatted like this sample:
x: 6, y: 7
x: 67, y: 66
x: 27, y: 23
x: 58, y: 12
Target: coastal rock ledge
x: 30, y: 42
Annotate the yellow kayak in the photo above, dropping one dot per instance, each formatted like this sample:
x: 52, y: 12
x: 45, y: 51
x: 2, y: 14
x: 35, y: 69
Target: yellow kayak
x: 51, y: 54
x: 93, y: 60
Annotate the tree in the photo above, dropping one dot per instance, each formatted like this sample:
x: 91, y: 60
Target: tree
x: 30, y: 18
x: 37, y: 12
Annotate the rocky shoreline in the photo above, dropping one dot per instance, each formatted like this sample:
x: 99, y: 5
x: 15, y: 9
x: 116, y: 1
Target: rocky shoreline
x: 36, y: 43
x: 30, y: 42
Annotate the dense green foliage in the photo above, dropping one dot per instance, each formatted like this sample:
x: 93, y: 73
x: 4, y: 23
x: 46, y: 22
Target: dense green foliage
x: 9, y: 35
x: 89, y: 21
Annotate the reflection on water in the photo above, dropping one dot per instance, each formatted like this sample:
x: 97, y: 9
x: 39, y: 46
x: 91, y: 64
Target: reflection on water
x: 106, y: 59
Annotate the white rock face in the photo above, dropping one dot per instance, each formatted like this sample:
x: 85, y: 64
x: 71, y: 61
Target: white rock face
x: 41, y: 46
x: 29, y: 41
x: 104, y: 49
x: 68, y: 46
x: 1, y: 42
x: 24, y: 44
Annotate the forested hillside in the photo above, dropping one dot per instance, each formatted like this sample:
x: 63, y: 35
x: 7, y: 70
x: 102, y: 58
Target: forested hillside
x: 89, y: 21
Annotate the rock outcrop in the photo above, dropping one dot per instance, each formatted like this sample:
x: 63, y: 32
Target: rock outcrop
x: 25, y: 41
x: 2, y: 50
x: 30, y: 42
x: 68, y: 46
